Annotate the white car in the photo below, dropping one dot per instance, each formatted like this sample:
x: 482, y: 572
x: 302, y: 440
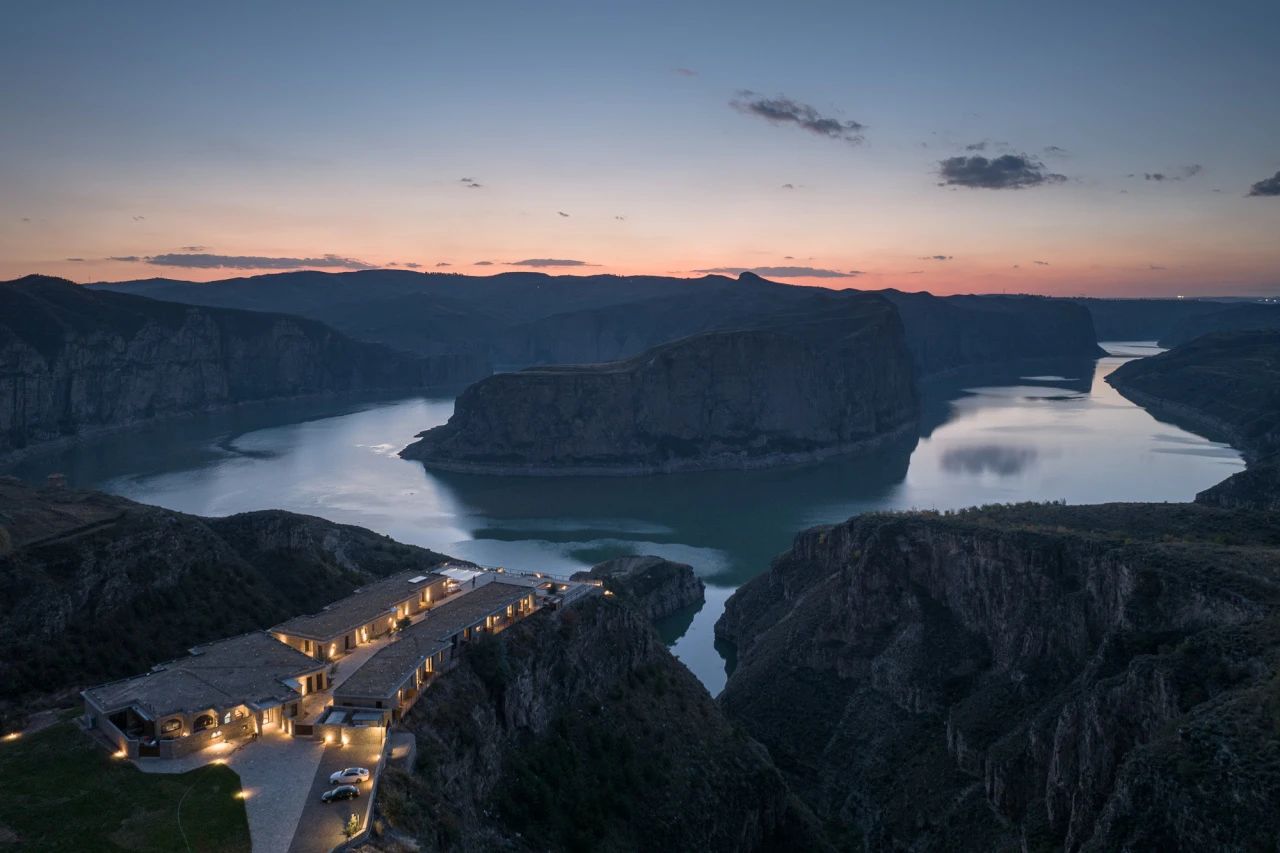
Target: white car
x: 350, y: 776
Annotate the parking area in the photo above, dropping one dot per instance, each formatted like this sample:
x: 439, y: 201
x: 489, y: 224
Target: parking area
x: 319, y: 828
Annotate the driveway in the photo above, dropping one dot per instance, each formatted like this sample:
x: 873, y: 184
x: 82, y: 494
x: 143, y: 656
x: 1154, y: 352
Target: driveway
x: 275, y: 774
x: 319, y: 829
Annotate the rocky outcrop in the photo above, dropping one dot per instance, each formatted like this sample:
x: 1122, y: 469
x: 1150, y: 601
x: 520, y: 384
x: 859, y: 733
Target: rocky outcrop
x: 73, y: 359
x: 95, y: 587
x: 1225, y: 385
x: 1026, y: 677
x: 802, y: 389
x: 658, y: 587
x: 579, y: 731
x: 1143, y: 319
x: 950, y: 333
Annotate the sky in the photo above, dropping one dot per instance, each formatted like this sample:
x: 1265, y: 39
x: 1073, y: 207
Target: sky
x: 1128, y: 149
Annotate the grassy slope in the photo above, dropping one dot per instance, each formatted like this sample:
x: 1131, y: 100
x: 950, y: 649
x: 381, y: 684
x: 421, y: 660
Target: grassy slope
x: 65, y: 793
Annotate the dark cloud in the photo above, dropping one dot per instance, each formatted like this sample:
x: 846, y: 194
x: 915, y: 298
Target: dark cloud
x: 1055, y: 150
x: 620, y: 218
x: 855, y: 272
x: 139, y: 218
x: 77, y: 260
x: 444, y: 264
x: 549, y: 262
x: 483, y: 264
x: 26, y: 219
x: 783, y: 110
x: 685, y: 72
x: 254, y: 262
x: 1155, y: 267
x: 779, y: 272
x: 788, y: 186
x: 193, y: 248
x: 129, y: 259
x: 1267, y: 186
x: 562, y: 213
x: 936, y: 257
x: 1006, y: 172
x: 411, y: 265
x: 470, y: 183
x: 1181, y: 175
x: 977, y: 146
x: 1041, y: 263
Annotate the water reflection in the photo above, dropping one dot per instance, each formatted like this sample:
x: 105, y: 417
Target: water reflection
x: 986, y: 436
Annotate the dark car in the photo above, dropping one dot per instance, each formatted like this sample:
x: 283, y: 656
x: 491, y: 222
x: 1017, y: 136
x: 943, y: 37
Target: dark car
x: 342, y: 792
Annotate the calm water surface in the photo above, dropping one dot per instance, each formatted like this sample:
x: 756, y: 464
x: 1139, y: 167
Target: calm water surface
x: 1058, y: 434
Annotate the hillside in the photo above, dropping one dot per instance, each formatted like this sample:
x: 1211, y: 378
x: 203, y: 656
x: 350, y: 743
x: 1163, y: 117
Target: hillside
x: 800, y: 388
x: 1033, y: 677
x: 95, y: 587
x: 1225, y: 384
x: 1237, y: 318
x: 74, y: 359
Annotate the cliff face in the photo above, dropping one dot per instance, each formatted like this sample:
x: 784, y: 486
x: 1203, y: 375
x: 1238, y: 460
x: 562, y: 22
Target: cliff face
x: 73, y: 359
x: 1235, y: 318
x: 95, y: 587
x: 658, y: 587
x: 723, y: 399
x: 1225, y: 384
x: 1034, y: 677
x: 949, y: 333
x: 579, y: 731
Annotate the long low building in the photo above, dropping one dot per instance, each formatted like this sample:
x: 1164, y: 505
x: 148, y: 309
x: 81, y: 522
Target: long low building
x: 391, y: 681
x: 224, y: 690
x: 368, y: 613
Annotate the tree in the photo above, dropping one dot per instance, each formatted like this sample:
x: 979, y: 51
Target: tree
x: 352, y: 826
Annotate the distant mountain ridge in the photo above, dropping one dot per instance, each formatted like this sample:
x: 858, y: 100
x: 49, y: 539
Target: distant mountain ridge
x: 74, y: 359
x: 523, y: 318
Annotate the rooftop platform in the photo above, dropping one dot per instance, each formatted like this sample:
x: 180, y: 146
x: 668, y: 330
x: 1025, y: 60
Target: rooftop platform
x: 251, y: 669
x: 383, y: 673
x: 360, y: 608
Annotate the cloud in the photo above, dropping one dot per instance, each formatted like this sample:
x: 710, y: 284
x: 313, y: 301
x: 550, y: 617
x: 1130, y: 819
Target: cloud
x: 193, y: 248
x: 855, y: 272
x: 783, y: 110
x: 139, y: 218
x: 1267, y: 186
x: 1041, y: 263
x: 788, y: 186
x: 1181, y: 175
x: 444, y: 264
x: 684, y: 72
x: 470, y: 183
x: 1055, y: 150
x: 129, y: 259
x: 779, y: 272
x: 1155, y: 267
x: 620, y: 218
x: 483, y: 264
x: 977, y: 146
x: 411, y: 265
x: 562, y: 213
x: 77, y: 260
x: 936, y: 257
x: 254, y: 262
x: 1006, y: 172
x: 549, y: 262
x: 26, y: 219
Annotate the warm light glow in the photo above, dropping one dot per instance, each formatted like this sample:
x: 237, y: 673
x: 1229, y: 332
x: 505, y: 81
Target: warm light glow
x: 219, y: 761
x: 242, y: 795
x: 119, y: 753
x: 329, y: 738
x: 345, y: 740
x: 13, y: 735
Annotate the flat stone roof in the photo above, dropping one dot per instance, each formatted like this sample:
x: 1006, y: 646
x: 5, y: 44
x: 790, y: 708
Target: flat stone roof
x: 360, y: 608
x: 381, y: 674
x: 251, y: 669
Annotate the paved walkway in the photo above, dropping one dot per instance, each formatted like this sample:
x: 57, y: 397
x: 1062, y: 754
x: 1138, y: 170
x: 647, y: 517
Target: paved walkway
x: 275, y: 774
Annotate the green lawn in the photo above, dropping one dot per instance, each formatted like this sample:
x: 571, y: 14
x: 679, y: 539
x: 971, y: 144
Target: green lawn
x: 63, y: 792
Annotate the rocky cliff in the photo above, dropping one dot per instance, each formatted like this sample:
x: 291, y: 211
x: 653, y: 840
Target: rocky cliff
x: 75, y: 359
x: 579, y: 731
x: 1249, y: 317
x: 656, y: 586
x: 95, y: 587
x: 798, y: 389
x: 1022, y: 678
x: 1226, y: 385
